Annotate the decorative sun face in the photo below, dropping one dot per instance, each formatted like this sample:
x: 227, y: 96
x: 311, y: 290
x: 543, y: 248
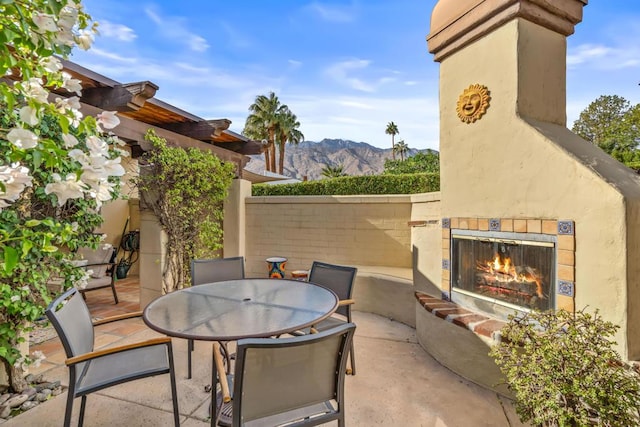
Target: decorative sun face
x: 473, y: 103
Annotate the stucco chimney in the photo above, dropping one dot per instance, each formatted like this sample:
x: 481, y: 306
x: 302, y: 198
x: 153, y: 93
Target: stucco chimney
x: 538, y: 51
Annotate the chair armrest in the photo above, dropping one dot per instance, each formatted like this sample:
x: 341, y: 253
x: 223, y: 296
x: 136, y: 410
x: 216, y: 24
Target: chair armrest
x: 346, y: 302
x: 95, y: 354
x: 224, y: 385
x: 116, y: 318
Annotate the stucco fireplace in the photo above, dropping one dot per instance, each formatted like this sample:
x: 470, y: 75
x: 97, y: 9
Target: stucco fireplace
x: 511, y: 55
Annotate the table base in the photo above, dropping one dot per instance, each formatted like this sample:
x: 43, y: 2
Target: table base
x: 226, y: 411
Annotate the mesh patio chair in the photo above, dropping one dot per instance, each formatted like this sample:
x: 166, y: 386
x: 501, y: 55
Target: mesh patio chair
x: 209, y: 271
x: 93, y: 370
x: 101, y: 263
x: 339, y: 279
x: 294, y: 381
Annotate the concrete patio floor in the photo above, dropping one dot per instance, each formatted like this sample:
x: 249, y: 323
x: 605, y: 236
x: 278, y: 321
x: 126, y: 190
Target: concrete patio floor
x: 397, y: 382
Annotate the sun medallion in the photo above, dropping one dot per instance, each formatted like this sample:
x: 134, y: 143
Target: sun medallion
x: 473, y: 103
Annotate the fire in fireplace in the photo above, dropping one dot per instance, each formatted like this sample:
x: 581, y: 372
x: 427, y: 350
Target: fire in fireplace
x: 515, y: 270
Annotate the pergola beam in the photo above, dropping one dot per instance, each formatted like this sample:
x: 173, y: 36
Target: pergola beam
x: 203, y: 130
x: 133, y: 130
x: 124, y: 97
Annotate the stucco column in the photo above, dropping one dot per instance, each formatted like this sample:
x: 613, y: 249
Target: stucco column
x: 235, y: 218
x: 153, y: 241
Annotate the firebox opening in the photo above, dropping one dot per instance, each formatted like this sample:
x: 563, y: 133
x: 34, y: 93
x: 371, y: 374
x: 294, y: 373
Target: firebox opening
x: 513, y: 270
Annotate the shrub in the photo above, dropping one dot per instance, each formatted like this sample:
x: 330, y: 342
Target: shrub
x: 355, y: 185
x: 427, y: 162
x: 564, y: 372
x: 185, y: 189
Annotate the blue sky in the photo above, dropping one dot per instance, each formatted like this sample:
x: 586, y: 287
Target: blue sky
x: 344, y: 67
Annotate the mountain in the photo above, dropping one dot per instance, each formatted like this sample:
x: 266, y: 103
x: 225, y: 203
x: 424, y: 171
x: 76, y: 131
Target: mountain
x: 309, y: 158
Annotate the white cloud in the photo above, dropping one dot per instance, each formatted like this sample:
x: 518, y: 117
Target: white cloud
x: 343, y: 73
x: 294, y: 64
x: 339, y: 14
x: 362, y: 105
x: 234, y: 37
x: 341, y: 70
x: 116, y: 31
x: 197, y: 43
x: 112, y: 56
x: 604, y: 57
x: 175, y: 29
x: 587, y: 52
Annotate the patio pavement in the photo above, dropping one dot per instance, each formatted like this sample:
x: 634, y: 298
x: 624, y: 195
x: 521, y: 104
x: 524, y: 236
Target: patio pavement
x: 397, y: 382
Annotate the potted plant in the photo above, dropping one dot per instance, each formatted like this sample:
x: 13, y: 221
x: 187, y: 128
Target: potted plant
x: 563, y: 370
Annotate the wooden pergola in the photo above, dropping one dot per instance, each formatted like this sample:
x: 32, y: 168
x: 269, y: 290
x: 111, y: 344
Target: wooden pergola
x: 139, y: 111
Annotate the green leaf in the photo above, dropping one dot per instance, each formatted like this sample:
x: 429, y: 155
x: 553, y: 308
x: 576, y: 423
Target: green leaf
x: 10, y: 259
x: 26, y: 247
x: 37, y: 158
x: 32, y: 223
x: 49, y: 248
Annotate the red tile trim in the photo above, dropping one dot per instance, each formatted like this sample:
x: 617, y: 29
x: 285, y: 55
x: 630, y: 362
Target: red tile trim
x: 451, y: 312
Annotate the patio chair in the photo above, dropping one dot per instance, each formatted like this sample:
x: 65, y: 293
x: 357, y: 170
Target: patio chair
x: 209, y: 271
x: 339, y: 279
x: 102, y: 263
x: 93, y: 370
x: 293, y: 381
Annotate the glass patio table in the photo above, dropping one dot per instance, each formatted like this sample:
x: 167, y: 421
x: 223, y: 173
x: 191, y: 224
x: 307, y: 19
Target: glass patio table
x: 236, y: 309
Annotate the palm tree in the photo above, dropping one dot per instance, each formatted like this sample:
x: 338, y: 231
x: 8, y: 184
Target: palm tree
x: 287, y: 131
x: 392, y: 129
x: 401, y: 148
x: 333, y: 171
x: 263, y: 122
x: 258, y: 133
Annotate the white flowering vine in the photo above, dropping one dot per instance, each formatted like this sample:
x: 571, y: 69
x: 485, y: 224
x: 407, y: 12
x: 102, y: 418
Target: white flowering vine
x: 57, y: 167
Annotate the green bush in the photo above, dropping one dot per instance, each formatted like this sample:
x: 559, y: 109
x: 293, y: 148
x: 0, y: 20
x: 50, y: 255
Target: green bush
x: 564, y: 372
x: 427, y: 162
x: 355, y: 185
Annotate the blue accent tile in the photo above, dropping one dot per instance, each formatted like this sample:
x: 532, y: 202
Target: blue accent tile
x: 445, y: 264
x: 446, y: 222
x: 494, y: 224
x: 565, y: 227
x: 566, y: 288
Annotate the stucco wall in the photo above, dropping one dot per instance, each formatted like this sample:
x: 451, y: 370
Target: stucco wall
x: 115, y: 213
x: 426, y: 243
x: 350, y: 230
x: 520, y: 161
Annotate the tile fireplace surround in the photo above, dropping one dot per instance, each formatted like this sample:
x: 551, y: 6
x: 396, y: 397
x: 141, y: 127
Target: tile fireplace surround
x: 562, y: 230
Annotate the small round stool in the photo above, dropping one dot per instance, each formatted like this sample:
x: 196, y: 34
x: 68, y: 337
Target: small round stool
x: 300, y: 275
x: 276, y: 267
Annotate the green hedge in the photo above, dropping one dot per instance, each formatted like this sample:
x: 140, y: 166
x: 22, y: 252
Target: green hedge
x: 355, y: 185
x: 633, y: 165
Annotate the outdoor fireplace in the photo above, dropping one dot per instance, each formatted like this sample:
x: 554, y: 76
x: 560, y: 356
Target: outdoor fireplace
x: 514, y: 271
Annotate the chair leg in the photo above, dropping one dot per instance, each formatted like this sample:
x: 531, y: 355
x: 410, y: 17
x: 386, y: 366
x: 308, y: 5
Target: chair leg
x: 189, y: 351
x: 174, y: 389
x: 352, y: 359
x: 115, y: 295
x: 69, y: 409
x: 82, y: 407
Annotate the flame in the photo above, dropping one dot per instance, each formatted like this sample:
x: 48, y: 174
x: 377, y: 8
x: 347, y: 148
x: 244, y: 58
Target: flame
x: 503, y: 270
x: 502, y: 265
